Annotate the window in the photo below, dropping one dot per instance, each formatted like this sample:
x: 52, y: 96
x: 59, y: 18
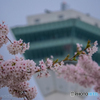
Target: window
x: 96, y: 24
x: 87, y: 14
x: 37, y: 20
x: 78, y: 18
x: 61, y: 16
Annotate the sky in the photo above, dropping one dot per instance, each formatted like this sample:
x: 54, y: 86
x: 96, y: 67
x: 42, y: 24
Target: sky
x: 15, y: 12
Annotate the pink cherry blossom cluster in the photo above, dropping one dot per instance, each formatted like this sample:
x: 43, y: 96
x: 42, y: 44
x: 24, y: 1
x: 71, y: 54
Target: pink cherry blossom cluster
x: 92, y: 70
x: 3, y: 34
x: 16, y: 69
x: 43, y: 68
x: 21, y: 90
x: 85, y: 72
x: 31, y: 93
x: 79, y: 46
x: 92, y: 50
x: 17, y: 47
x: 74, y: 73
x: 14, y: 73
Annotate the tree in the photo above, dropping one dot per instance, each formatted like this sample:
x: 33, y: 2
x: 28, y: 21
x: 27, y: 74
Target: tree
x: 14, y: 73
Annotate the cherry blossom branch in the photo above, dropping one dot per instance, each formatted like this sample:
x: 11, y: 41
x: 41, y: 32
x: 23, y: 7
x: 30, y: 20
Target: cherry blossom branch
x: 25, y: 95
x: 89, y: 76
x: 79, y: 52
x: 9, y: 40
x: 19, y: 70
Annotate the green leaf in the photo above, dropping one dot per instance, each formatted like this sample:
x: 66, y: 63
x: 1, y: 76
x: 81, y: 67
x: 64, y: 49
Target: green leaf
x: 74, y: 59
x: 88, y: 42
x: 66, y: 57
x: 88, y: 45
x: 56, y: 61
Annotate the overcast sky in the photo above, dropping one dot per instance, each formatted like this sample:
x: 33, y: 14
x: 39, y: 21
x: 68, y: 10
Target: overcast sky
x: 14, y: 12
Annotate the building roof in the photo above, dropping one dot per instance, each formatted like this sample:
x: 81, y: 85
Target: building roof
x: 55, y: 25
x: 62, y: 15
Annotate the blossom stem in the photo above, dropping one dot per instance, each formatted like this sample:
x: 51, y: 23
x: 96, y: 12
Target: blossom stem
x: 25, y: 95
x: 9, y: 39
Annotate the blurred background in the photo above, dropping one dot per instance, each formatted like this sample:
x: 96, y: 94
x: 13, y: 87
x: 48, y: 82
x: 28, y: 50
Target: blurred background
x: 53, y: 27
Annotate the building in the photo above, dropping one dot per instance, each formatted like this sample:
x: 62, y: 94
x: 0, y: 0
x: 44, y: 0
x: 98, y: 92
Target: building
x: 56, y: 33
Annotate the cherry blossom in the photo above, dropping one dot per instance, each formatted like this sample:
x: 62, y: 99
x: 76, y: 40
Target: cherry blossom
x: 17, y: 47
x: 15, y: 72
x: 3, y: 34
x: 92, y: 50
x: 79, y: 46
